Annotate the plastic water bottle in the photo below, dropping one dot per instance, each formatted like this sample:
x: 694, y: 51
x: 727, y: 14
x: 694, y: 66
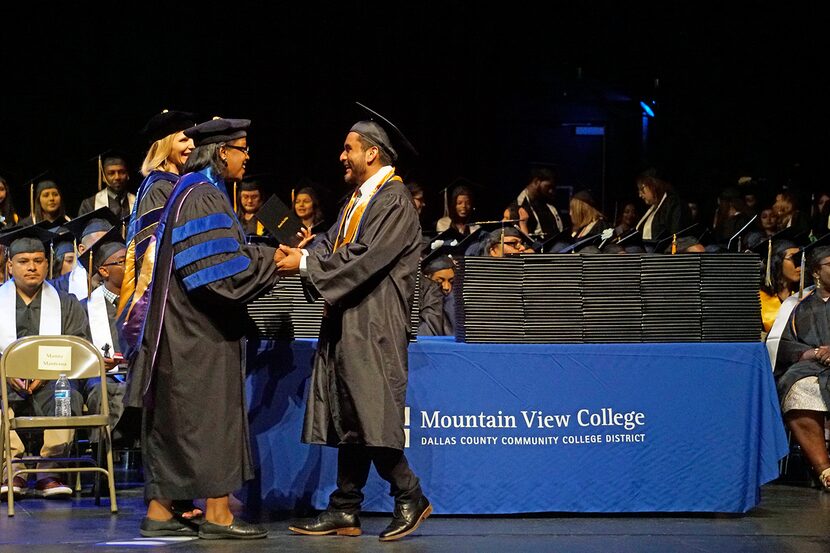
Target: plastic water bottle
x: 63, y: 406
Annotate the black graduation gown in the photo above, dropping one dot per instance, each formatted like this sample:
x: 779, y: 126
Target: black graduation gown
x: 188, y: 371
x: 807, y: 328
x: 358, y: 388
x: 433, y: 316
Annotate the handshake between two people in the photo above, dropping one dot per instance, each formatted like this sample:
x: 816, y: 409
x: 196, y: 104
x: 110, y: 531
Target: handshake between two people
x: 287, y: 258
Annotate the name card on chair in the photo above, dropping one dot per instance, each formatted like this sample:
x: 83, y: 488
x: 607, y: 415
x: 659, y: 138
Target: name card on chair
x: 54, y: 358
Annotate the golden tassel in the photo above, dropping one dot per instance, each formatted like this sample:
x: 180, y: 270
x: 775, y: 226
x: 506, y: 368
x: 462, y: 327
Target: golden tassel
x: 32, y: 201
x: 768, y: 279
x: 234, y: 198
x: 674, y: 244
x: 100, y: 173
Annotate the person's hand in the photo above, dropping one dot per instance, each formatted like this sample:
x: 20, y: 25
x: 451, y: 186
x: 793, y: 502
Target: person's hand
x: 290, y: 264
x: 822, y: 354
x: 19, y: 385
x: 111, y: 363
x: 279, y: 255
x: 34, y: 385
x: 306, y: 236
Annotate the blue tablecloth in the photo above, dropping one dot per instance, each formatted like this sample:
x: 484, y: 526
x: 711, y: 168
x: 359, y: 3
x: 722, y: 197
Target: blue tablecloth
x: 498, y: 428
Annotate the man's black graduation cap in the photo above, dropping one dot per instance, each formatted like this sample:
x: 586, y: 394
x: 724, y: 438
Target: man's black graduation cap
x: 101, y: 250
x: 98, y: 220
x: 381, y: 132
x: 281, y: 221
x: 440, y: 258
x: 28, y: 239
x: 488, y: 232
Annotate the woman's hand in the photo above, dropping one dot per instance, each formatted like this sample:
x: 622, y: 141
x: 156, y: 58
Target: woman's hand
x: 306, y: 236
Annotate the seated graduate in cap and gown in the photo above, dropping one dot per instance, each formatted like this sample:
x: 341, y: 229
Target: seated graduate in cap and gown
x: 187, y: 372
x: 437, y: 302
x: 30, y: 306
x: 115, y: 177
x: 107, y: 257
x: 801, y: 367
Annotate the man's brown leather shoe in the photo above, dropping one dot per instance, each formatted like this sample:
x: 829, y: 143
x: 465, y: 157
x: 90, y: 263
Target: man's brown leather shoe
x: 406, y: 518
x: 329, y: 522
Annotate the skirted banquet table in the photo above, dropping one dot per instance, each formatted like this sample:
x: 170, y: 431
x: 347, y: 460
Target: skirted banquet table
x: 531, y: 428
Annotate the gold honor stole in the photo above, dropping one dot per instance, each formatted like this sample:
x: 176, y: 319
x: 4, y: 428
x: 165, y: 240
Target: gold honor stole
x: 354, y: 223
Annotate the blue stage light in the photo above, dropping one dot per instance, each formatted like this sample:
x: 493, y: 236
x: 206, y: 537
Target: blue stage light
x: 646, y: 109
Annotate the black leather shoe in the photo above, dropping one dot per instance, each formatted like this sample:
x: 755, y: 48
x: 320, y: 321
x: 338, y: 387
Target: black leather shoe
x: 158, y: 528
x: 237, y: 530
x: 406, y: 518
x: 329, y: 522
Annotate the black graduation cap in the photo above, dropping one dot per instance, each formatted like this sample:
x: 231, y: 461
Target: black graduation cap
x: 736, y: 241
x: 382, y: 132
x: 101, y: 250
x: 555, y: 243
x: 577, y: 246
x: 631, y: 241
x: 800, y: 257
x: 218, y: 130
x: 280, y: 220
x: 63, y: 241
x: 449, y: 236
x: 28, y: 239
x: 166, y: 123
x: 490, y: 232
x: 440, y: 258
x: 101, y: 219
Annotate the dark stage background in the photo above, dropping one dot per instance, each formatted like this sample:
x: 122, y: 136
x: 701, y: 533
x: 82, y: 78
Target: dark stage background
x: 481, y: 92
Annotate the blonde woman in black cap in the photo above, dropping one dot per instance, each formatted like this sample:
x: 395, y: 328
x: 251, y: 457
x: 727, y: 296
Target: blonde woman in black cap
x: 47, y: 205
x: 186, y: 374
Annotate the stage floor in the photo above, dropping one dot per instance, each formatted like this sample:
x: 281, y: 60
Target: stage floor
x: 790, y: 517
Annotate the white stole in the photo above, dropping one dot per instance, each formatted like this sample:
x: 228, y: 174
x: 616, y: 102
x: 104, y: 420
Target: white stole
x: 645, y: 223
x: 102, y: 199
x: 78, y: 285
x: 50, y: 312
x: 99, y: 322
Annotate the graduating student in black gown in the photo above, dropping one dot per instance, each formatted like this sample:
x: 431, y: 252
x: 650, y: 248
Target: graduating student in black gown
x: 365, y: 270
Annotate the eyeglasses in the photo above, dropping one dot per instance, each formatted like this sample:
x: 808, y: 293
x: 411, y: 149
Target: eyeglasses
x: 246, y: 150
x: 119, y: 262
